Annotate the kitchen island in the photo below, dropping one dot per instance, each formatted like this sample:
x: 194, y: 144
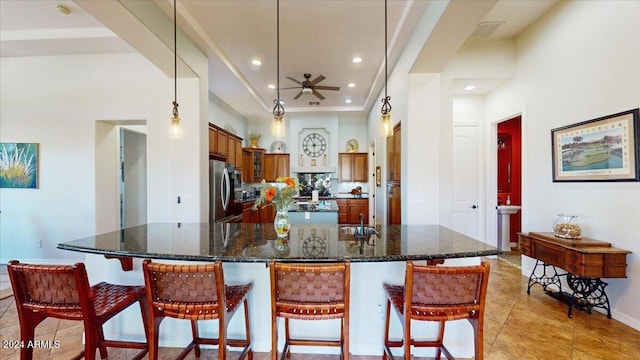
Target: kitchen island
x: 322, y: 212
x: 246, y: 248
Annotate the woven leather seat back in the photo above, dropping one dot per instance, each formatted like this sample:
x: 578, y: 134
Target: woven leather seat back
x: 48, y: 284
x: 446, y: 288
x: 309, y: 285
x: 176, y: 283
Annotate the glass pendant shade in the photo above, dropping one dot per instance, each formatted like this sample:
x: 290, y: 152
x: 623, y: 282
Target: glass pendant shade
x: 387, y: 125
x: 176, y: 128
x: 278, y: 126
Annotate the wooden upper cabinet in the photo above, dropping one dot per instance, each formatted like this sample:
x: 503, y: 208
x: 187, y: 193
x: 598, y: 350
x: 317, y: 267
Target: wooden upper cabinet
x: 353, y: 167
x: 275, y: 166
x: 231, y: 150
x: 224, y: 145
x: 221, y: 143
x: 253, y: 164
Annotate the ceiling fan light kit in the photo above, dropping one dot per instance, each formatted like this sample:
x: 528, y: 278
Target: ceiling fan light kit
x: 309, y: 86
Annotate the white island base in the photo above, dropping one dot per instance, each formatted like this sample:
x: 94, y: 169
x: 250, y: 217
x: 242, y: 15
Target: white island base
x: 366, y: 311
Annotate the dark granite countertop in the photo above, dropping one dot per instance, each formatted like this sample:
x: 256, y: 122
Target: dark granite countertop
x: 242, y: 242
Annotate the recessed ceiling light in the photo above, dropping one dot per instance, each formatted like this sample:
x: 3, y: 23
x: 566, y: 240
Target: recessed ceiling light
x: 357, y: 60
x: 271, y: 86
x: 256, y: 62
x: 348, y: 101
x: 469, y: 87
x: 351, y: 85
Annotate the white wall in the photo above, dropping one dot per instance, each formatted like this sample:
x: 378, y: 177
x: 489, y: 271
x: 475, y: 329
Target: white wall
x: 58, y: 102
x: 579, y: 62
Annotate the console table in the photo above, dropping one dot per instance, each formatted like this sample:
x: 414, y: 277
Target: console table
x: 585, y: 260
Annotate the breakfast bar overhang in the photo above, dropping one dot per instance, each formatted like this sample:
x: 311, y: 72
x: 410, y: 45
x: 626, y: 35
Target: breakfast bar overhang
x: 246, y: 248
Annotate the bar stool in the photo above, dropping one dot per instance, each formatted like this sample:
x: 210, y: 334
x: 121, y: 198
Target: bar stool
x: 63, y: 292
x: 195, y: 292
x: 437, y: 293
x: 309, y: 292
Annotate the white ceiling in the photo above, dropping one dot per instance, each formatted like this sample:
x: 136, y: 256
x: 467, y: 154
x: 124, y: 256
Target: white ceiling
x: 319, y: 37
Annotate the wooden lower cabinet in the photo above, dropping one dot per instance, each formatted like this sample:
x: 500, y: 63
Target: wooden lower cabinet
x: 349, y: 210
x: 264, y: 214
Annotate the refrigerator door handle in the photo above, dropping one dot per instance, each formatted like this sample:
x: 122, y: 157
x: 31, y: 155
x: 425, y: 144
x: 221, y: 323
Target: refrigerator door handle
x: 222, y: 192
x: 226, y: 184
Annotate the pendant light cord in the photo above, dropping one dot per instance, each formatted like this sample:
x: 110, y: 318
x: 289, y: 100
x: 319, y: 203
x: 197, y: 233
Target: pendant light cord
x: 386, y: 106
x: 175, y: 61
x: 278, y: 109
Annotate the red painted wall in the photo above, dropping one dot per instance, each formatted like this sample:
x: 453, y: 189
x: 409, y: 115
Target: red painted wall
x: 512, y: 127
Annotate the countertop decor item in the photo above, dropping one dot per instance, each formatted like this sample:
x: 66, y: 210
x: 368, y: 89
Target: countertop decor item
x: 278, y: 147
x: 254, y: 138
x: 352, y: 146
x: 280, y: 194
x: 565, y: 227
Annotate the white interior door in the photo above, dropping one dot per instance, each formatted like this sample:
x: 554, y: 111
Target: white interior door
x: 466, y: 162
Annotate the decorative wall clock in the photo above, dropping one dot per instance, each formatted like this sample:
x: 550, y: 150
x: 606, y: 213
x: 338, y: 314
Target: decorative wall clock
x: 314, y: 145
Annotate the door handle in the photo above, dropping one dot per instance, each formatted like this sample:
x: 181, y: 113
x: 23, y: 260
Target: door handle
x: 474, y: 206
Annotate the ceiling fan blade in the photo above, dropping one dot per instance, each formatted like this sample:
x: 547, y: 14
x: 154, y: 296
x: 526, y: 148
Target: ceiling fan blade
x: 320, y: 87
x: 297, y: 96
x: 318, y: 79
x: 318, y: 95
x: 294, y: 80
x: 289, y: 88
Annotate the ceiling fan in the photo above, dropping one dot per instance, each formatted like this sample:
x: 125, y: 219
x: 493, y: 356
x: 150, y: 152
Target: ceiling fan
x: 311, y: 86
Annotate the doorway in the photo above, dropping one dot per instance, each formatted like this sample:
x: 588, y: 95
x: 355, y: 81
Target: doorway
x: 509, y: 170
x: 133, y: 178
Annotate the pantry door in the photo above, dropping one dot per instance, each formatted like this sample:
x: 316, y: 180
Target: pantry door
x: 466, y: 165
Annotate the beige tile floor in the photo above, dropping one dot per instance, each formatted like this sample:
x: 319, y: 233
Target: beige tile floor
x: 518, y: 326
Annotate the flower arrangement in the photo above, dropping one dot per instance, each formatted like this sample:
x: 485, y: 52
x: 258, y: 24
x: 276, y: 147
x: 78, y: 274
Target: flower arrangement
x: 254, y: 137
x: 279, y: 194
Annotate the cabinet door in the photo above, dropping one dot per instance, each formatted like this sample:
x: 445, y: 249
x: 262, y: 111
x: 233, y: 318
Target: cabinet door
x: 247, y: 168
x: 258, y: 166
x: 231, y: 150
x: 345, y: 165
x: 213, y: 138
x: 239, y: 157
x: 357, y: 207
x: 282, y: 165
x: 267, y: 213
x: 221, y: 143
x: 342, y: 211
x: 269, y: 166
x: 359, y: 168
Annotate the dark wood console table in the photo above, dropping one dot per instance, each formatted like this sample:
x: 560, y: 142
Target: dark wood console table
x: 585, y: 260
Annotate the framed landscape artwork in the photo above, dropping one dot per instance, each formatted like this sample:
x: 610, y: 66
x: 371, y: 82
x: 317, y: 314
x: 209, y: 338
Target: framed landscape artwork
x: 19, y: 165
x: 603, y: 149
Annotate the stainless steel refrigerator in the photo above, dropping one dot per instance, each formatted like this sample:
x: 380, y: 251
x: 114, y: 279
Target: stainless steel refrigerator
x: 221, y: 191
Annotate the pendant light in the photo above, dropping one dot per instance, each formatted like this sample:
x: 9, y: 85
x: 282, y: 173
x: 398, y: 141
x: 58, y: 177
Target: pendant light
x: 176, y: 127
x: 387, y: 125
x: 278, y: 109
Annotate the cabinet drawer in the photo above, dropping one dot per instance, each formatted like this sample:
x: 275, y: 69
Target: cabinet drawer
x: 525, y: 245
x: 548, y: 253
x: 615, y: 265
